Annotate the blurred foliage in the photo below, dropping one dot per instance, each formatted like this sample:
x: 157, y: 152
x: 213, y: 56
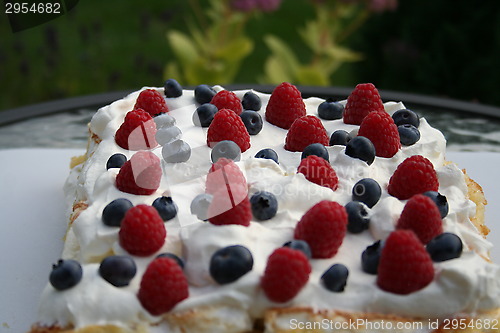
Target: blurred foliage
x: 213, y: 48
x: 97, y: 47
x: 217, y: 41
x: 440, y: 48
x: 333, y: 23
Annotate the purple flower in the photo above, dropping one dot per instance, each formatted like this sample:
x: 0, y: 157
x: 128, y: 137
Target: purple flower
x: 379, y: 6
x: 268, y: 5
x: 249, y: 5
x: 244, y: 5
x: 353, y: 2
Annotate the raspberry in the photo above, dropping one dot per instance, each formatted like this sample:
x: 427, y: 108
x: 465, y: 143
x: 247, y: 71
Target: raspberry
x: 405, y: 266
x: 379, y: 127
x: 142, y: 231
x: 304, y: 131
x: 286, y: 273
x: 163, y: 285
x: 318, y: 171
x: 137, y: 131
x: 140, y: 175
x: 285, y: 105
x: 422, y: 216
x: 363, y: 100
x: 230, y: 205
x: 224, y: 173
x: 226, y: 99
x: 414, y: 175
x: 227, y: 125
x: 323, y: 227
x: 152, y: 102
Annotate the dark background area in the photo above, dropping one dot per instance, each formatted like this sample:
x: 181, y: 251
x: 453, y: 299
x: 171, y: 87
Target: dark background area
x: 442, y: 48
x: 439, y: 48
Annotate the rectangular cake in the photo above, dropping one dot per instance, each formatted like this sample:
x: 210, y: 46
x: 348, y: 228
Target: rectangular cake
x: 211, y: 210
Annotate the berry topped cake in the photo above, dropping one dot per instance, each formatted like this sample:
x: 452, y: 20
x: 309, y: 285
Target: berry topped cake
x: 211, y: 210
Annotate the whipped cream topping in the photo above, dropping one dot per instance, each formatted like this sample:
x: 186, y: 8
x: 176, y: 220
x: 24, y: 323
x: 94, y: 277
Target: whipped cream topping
x: 83, y: 304
x: 465, y: 285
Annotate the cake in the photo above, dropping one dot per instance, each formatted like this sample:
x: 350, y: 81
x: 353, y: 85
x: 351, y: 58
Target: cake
x: 269, y: 213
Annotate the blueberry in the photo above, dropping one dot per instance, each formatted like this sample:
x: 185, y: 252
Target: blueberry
x: 165, y: 135
x: 445, y: 246
x: 316, y: 149
x: 230, y: 263
x: 204, y: 115
x: 114, y: 212
x: 172, y: 88
x: 368, y: 191
x: 199, y: 206
x: 405, y: 116
x: 301, y: 245
x: 408, y: 134
x: 251, y: 101
x: 335, y: 278
x: 164, y: 120
x: 118, y: 270
x: 264, y: 205
x: 116, y: 161
x: 357, y: 217
x: 370, y: 258
x: 227, y: 149
x: 203, y: 94
x: 267, y: 153
x: 440, y: 201
x: 65, y: 274
x: 166, y: 207
x: 253, y: 121
x: 362, y: 148
x: 330, y: 110
x: 177, y: 259
x: 176, y: 152
x: 340, y: 137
